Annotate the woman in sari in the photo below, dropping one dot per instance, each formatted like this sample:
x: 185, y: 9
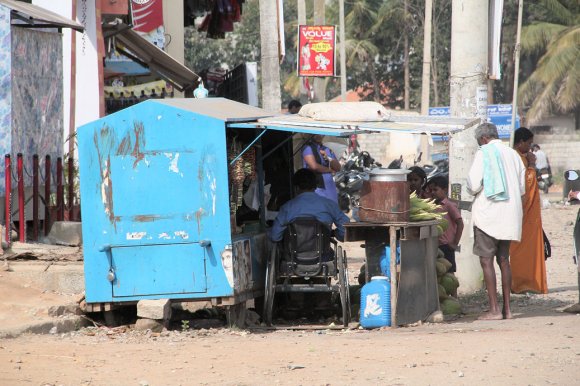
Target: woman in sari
x: 527, y: 256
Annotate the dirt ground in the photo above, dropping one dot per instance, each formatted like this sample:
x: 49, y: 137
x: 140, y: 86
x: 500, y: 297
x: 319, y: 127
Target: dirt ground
x: 540, y: 346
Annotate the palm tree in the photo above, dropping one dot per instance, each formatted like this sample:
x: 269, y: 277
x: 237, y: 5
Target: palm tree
x: 553, y: 85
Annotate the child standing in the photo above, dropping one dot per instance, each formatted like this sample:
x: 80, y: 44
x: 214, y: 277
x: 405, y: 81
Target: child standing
x: 449, y: 240
x: 416, y: 180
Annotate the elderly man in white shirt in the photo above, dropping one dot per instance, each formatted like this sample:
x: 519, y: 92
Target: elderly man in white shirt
x: 497, y: 180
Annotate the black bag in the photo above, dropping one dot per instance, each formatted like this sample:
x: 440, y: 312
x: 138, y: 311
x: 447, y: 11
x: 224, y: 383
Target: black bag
x: 547, y: 246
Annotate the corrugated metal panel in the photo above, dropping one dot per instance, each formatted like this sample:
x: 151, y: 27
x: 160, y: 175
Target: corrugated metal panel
x: 135, y: 46
x: 219, y: 108
x: 414, y: 124
x: 36, y: 15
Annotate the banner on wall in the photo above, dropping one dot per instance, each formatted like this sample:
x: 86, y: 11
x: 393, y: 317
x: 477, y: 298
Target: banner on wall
x: 499, y: 115
x: 316, y: 50
x: 138, y: 90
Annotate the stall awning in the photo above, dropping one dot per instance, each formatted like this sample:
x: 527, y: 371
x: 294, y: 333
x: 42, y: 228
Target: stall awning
x: 136, y: 47
x: 412, y: 124
x: 38, y: 17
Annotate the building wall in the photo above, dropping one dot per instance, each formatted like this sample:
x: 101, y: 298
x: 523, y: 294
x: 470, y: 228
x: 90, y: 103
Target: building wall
x: 173, y: 23
x: 5, y: 87
x: 37, y: 94
x: 64, y: 8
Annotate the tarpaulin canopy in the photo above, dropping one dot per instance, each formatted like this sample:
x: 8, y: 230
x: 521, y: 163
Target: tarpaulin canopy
x: 412, y: 124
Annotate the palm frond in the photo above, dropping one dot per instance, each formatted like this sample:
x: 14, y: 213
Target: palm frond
x: 560, y: 11
x: 554, y: 84
x: 292, y: 84
x: 567, y: 95
x: 537, y: 36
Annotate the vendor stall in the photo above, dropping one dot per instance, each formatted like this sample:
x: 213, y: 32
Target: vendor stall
x: 413, y: 282
x: 175, y: 197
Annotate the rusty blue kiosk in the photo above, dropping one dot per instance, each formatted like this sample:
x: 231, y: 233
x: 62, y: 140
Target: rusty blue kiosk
x: 161, y: 185
x: 165, y: 204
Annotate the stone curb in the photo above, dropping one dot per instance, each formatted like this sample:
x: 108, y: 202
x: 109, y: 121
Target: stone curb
x: 62, y: 325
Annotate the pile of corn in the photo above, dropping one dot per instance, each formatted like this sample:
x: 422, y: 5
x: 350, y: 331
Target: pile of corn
x: 448, y: 284
x: 424, y: 209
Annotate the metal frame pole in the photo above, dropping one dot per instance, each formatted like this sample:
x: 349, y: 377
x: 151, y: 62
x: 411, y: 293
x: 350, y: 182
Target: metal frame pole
x: 7, y: 197
x: 35, y: 197
x: 47, y: 171
x: 516, y: 70
x: 21, y: 209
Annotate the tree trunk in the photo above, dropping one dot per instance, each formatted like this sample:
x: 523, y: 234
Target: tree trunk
x: 406, y: 56
x: 271, y: 97
x: 376, y: 86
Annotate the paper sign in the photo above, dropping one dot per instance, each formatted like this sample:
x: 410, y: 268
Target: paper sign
x: 316, y: 50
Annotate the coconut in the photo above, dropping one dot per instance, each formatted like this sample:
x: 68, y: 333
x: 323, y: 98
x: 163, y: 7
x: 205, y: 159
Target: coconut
x: 446, y: 263
x: 449, y: 282
x: 442, y: 292
x: 450, y: 306
x: 441, y: 270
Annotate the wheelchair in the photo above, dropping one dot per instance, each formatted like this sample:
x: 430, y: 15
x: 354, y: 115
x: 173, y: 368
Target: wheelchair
x: 305, y: 262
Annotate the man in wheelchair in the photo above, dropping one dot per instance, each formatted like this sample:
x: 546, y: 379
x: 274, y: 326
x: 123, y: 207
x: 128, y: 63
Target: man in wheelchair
x: 302, y: 259
x: 308, y: 204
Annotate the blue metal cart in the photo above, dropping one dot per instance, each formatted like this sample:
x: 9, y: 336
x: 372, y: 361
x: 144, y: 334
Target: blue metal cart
x: 156, y: 191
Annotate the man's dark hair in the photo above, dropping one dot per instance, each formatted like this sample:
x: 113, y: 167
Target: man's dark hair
x: 294, y: 104
x: 536, y: 146
x: 418, y: 171
x: 522, y: 134
x: 305, y: 179
x: 439, y: 181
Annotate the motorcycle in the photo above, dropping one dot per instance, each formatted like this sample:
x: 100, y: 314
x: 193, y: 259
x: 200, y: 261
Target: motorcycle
x: 438, y: 168
x: 571, y: 183
x: 349, y: 180
x: 544, y: 177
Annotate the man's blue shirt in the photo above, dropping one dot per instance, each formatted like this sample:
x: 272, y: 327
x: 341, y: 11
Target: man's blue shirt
x: 309, y: 204
x: 329, y: 190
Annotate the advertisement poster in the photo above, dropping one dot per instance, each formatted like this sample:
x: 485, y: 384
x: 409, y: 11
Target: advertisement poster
x: 316, y: 50
x: 148, y: 20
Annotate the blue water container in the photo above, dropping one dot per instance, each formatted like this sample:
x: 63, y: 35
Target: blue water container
x: 375, y: 303
x: 385, y: 260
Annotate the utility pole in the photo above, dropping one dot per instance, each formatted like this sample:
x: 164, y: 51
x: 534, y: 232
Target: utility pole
x: 468, y: 94
x: 425, y: 83
x: 425, y: 89
x: 271, y: 97
x: 406, y: 72
x: 342, y: 50
x: 319, y: 19
x: 302, y: 21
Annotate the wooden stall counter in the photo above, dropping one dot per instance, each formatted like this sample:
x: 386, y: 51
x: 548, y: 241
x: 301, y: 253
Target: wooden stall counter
x: 414, y: 293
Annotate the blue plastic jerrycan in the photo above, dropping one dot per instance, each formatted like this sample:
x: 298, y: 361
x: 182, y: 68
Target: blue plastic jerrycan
x: 385, y: 260
x: 375, y: 303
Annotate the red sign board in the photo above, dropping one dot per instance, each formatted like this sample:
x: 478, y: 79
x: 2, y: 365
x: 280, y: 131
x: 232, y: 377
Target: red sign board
x: 147, y: 15
x: 316, y: 50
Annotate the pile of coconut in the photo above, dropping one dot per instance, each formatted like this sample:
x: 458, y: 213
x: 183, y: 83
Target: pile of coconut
x: 447, y: 287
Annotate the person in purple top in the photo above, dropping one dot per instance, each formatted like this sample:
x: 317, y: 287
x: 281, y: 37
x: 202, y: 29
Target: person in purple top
x: 322, y: 161
x: 308, y: 204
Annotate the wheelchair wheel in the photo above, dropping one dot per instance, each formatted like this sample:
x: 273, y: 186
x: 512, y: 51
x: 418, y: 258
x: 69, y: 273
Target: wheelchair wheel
x: 343, y: 286
x: 270, y: 288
